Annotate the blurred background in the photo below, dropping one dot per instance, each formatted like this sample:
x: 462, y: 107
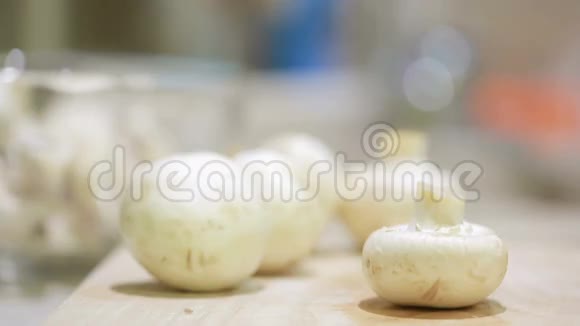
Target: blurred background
x: 494, y: 82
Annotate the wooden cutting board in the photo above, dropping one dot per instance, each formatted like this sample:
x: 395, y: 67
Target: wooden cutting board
x: 542, y: 286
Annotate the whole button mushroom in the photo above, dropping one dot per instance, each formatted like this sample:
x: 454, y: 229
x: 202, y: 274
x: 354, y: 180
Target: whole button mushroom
x: 440, y: 261
x: 304, y: 151
x: 207, y: 243
x: 295, y: 224
x: 368, y: 213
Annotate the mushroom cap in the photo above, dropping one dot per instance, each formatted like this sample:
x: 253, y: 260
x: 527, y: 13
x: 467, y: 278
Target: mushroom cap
x: 447, y: 268
x: 199, y: 245
x: 366, y: 215
x: 304, y: 151
x: 370, y: 212
x: 295, y: 224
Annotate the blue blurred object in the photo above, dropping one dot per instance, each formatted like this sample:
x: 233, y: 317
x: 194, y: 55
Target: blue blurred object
x: 302, y: 36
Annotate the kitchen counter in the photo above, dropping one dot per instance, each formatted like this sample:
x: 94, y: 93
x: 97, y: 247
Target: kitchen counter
x: 542, y: 284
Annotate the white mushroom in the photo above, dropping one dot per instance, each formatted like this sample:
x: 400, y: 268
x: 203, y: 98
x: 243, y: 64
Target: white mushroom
x: 11, y: 223
x: 304, y: 151
x: 208, y: 243
x: 440, y: 261
x: 295, y: 224
x: 375, y: 209
x: 366, y: 214
x: 37, y: 165
x: 86, y: 144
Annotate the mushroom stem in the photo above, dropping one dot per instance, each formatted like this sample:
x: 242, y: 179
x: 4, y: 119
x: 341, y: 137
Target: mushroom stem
x: 438, y: 206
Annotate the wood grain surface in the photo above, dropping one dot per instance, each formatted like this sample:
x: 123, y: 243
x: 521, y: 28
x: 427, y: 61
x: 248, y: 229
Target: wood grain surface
x: 542, y: 286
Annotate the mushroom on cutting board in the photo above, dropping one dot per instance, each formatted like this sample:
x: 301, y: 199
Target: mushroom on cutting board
x: 206, y: 243
x: 440, y: 261
x: 368, y: 213
x: 295, y: 224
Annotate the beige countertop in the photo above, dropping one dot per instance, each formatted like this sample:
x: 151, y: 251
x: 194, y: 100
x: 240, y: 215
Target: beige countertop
x: 542, y: 284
